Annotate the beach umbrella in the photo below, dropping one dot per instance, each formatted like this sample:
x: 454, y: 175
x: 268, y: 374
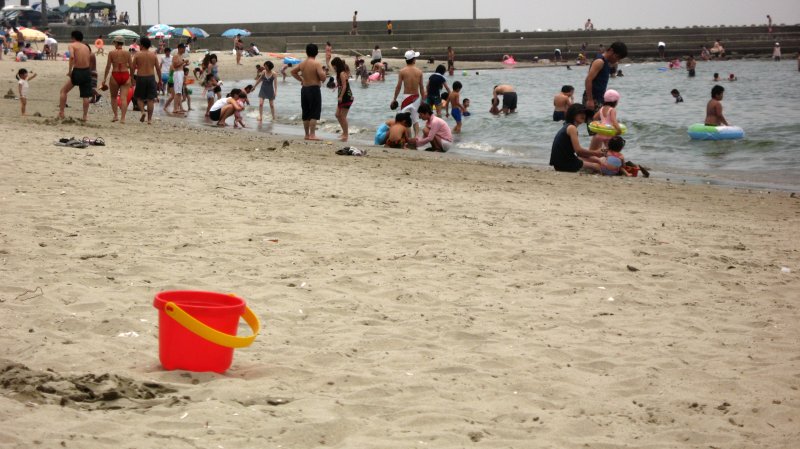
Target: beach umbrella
x: 99, y: 6
x: 159, y: 35
x: 64, y: 9
x: 198, y: 32
x: 163, y: 27
x: 180, y: 32
x: 127, y: 34
x: 29, y: 34
x: 77, y: 7
x: 234, y: 31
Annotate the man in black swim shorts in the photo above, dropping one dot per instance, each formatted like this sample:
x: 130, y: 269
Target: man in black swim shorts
x: 509, y: 99
x: 79, y: 74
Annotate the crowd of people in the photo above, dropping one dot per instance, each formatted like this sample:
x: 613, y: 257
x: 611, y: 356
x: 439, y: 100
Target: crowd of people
x: 139, y: 75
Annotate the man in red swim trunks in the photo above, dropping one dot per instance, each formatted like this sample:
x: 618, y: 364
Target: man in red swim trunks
x: 119, y: 63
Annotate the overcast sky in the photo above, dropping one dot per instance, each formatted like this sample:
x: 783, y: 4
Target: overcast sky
x: 525, y: 15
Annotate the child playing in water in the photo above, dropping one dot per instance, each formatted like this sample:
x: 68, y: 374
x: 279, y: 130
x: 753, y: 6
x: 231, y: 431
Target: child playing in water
x: 283, y: 70
x: 614, y: 164
x: 607, y: 115
x: 714, y: 115
x: 677, y: 96
x: 444, y: 105
x: 561, y: 102
x: 455, y: 102
x: 237, y: 114
x: 465, y: 107
x: 436, y: 82
x: 211, y: 91
x: 24, y: 77
x: 399, y: 131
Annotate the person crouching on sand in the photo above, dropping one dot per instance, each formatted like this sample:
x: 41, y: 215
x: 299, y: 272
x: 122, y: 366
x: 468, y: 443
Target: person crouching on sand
x: 224, y: 108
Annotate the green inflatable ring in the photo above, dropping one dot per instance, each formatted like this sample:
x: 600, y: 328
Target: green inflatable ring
x: 606, y: 130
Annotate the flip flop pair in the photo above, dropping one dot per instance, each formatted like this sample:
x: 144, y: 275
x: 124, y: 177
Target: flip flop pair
x: 71, y: 142
x: 98, y: 142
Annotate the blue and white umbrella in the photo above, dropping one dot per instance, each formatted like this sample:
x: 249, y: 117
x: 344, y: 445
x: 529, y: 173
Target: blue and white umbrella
x: 234, y: 31
x: 163, y: 27
x: 198, y: 32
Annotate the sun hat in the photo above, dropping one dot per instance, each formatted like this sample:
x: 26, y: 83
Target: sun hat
x: 119, y: 40
x: 611, y: 95
x: 411, y: 54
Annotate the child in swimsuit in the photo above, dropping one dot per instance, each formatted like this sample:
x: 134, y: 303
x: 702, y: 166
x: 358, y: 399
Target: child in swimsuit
x: 444, y: 105
x: 455, y: 102
x: 465, y: 106
x: 399, y: 131
x: 237, y: 114
x: 614, y: 163
x: 607, y: 115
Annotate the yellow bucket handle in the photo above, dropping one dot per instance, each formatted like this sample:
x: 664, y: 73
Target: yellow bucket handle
x: 214, y: 336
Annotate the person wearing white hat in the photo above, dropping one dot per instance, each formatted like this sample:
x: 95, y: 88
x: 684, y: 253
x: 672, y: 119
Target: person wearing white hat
x: 776, y: 52
x: 410, y: 78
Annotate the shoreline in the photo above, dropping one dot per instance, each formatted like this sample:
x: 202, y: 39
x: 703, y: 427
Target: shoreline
x: 745, y: 180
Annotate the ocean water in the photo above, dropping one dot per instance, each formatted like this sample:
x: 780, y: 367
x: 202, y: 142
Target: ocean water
x: 765, y: 101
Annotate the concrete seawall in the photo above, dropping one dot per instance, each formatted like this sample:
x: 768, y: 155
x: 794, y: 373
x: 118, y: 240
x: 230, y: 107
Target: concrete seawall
x: 483, y: 40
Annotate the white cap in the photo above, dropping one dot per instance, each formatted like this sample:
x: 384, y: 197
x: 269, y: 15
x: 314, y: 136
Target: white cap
x: 411, y: 54
x: 777, y: 44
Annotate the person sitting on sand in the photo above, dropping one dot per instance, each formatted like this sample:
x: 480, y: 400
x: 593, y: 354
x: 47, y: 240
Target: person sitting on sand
x: 567, y: 154
x: 714, y: 115
x: 225, y: 107
x: 399, y: 131
x: 613, y: 162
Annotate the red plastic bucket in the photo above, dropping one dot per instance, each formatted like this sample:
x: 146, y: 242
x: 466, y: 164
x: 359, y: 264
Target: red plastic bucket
x: 197, y: 330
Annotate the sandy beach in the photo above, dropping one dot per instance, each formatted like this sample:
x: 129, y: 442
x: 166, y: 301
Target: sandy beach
x: 408, y: 300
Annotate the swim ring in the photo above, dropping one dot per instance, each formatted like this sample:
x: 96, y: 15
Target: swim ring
x: 381, y: 134
x: 375, y: 76
x: 288, y: 60
x: 699, y: 131
x: 509, y: 60
x: 606, y: 130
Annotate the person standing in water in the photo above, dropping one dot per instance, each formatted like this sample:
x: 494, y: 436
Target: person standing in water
x: 410, y: 79
x: 345, y: 95
x: 311, y: 75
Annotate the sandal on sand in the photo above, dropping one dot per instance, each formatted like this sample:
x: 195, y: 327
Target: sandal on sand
x: 71, y: 142
x: 98, y: 142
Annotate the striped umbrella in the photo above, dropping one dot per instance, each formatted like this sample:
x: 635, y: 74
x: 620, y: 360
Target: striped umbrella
x: 180, y: 32
x: 198, y: 32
